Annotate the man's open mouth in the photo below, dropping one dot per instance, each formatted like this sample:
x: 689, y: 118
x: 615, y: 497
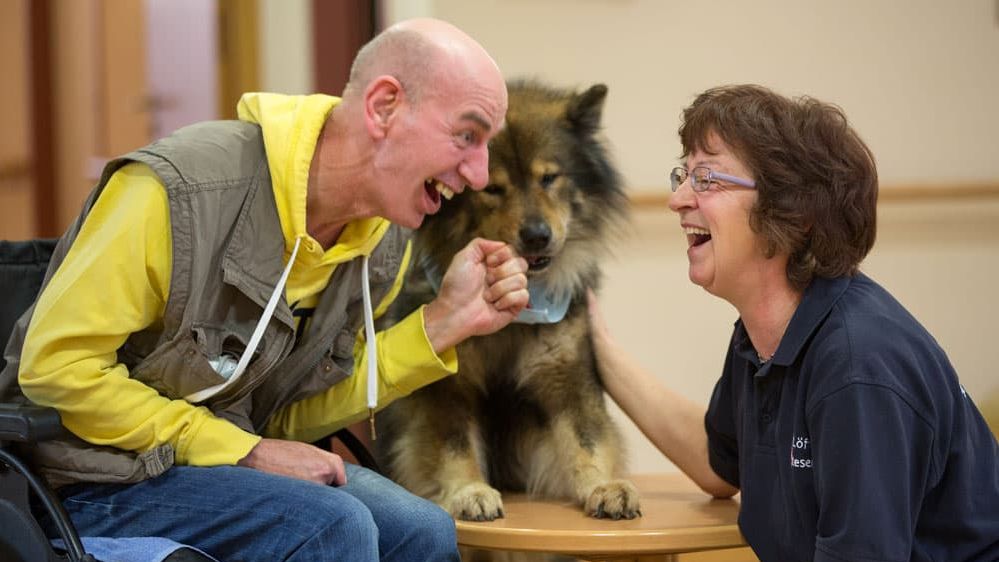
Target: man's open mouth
x: 435, y: 188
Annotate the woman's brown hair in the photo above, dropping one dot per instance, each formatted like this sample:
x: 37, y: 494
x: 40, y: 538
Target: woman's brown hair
x: 817, y: 181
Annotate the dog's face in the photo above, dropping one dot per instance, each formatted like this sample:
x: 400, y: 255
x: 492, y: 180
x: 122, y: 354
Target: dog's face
x: 552, y: 194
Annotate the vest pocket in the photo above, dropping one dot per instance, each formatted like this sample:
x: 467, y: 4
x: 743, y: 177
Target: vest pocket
x: 340, y: 356
x: 72, y: 460
x: 182, y: 367
x: 343, y: 344
x: 335, y: 365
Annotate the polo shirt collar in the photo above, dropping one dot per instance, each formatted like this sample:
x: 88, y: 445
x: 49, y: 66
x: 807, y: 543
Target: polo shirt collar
x: 819, y: 298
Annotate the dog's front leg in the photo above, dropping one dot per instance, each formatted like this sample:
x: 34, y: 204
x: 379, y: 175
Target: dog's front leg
x: 438, y: 452
x: 463, y: 489
x: 581, y: 460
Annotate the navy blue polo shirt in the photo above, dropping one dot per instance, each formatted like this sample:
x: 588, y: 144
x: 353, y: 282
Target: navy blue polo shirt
x: 855, y: 442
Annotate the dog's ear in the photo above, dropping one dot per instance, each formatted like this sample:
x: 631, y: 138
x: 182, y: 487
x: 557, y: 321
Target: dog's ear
x: 585, y: 110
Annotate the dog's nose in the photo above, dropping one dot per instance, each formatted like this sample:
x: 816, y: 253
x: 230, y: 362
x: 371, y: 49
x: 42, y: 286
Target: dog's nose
x: 535, y: 236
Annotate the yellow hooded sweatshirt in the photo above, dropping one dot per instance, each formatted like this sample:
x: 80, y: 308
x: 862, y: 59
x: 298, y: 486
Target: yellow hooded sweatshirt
x: 115, y: 280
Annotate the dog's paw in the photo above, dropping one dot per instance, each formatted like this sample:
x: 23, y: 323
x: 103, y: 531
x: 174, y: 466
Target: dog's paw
x: 616, y: 499
x: 476, y: 501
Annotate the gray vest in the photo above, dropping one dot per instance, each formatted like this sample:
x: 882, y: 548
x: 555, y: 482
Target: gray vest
x: 228, y: 252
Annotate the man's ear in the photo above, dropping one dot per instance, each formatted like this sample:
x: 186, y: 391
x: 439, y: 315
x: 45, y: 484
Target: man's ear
x: 382, y: 99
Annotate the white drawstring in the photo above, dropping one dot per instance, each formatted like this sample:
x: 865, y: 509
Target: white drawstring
x: 372, y: 347
x: 258, y: 333
x: 223, y: 364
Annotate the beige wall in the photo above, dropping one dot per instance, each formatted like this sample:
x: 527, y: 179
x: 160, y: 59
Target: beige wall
x: 286, y: 46
x: 917, y: 78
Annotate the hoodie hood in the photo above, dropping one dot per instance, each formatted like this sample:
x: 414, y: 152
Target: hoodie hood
x: 291, y: 126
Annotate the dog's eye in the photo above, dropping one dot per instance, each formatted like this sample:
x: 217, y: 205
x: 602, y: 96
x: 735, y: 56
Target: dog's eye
x: 548, y: 179
x: 493, y: 189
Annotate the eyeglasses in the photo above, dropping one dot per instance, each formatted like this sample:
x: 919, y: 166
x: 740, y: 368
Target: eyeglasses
x: 701, y: 178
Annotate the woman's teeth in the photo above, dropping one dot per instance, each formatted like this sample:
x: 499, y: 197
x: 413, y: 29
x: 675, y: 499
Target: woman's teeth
x: 696, y: 235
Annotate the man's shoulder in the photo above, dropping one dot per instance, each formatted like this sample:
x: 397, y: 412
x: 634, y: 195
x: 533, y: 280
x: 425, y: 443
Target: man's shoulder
x: 207, y: 131
x: 209, y: 151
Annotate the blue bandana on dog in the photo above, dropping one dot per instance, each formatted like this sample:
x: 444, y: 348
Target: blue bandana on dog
x: 543, y: 306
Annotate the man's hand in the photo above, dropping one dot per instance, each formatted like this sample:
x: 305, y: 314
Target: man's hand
x: 483, y: 290
x: 297, y: 460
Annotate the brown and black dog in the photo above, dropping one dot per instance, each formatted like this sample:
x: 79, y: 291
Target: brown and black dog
x: 526, y: 410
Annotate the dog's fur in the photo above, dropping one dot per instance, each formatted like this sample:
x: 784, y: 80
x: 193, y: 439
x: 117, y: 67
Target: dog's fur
x: 526, y: 410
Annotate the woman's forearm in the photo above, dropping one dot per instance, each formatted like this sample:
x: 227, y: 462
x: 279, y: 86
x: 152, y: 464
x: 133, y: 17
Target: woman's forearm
x: 673, y: 423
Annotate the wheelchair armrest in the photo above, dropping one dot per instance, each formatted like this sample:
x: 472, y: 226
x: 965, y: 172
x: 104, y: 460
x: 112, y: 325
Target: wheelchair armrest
x: 28, y: 423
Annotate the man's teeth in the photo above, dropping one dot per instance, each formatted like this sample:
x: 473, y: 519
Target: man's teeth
x: 695, y: 230
x: 444, y: 190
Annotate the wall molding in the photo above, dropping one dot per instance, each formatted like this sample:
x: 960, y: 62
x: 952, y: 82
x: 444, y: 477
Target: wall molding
x: 894, y: 193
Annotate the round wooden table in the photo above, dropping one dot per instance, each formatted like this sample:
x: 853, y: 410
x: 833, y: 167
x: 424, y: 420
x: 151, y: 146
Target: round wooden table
x: 677, y: 517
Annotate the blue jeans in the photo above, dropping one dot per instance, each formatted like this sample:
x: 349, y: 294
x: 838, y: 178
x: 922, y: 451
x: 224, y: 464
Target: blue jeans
x: 240, y: 514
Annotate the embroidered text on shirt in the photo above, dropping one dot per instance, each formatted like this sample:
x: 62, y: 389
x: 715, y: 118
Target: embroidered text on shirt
x: 801, y: 452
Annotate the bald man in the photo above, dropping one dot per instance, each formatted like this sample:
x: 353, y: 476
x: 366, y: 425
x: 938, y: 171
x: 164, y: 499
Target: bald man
x: 211, y: 312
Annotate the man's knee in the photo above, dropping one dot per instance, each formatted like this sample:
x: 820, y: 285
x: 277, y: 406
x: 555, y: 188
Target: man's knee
x: 343, y: 514
x: 335, y: 528
x: 433, y: 533
x: 437, y: 520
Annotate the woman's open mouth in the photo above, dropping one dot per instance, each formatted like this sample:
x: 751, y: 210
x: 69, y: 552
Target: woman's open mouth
x: 696, y: 236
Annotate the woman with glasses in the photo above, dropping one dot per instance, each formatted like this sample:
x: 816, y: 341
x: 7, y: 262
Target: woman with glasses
x: 837, y: 416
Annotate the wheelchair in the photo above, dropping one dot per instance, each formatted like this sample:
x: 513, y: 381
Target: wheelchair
x: 22, y: 269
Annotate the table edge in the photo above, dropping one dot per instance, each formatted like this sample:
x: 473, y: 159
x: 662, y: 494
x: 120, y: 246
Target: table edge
x: 650, y: 541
